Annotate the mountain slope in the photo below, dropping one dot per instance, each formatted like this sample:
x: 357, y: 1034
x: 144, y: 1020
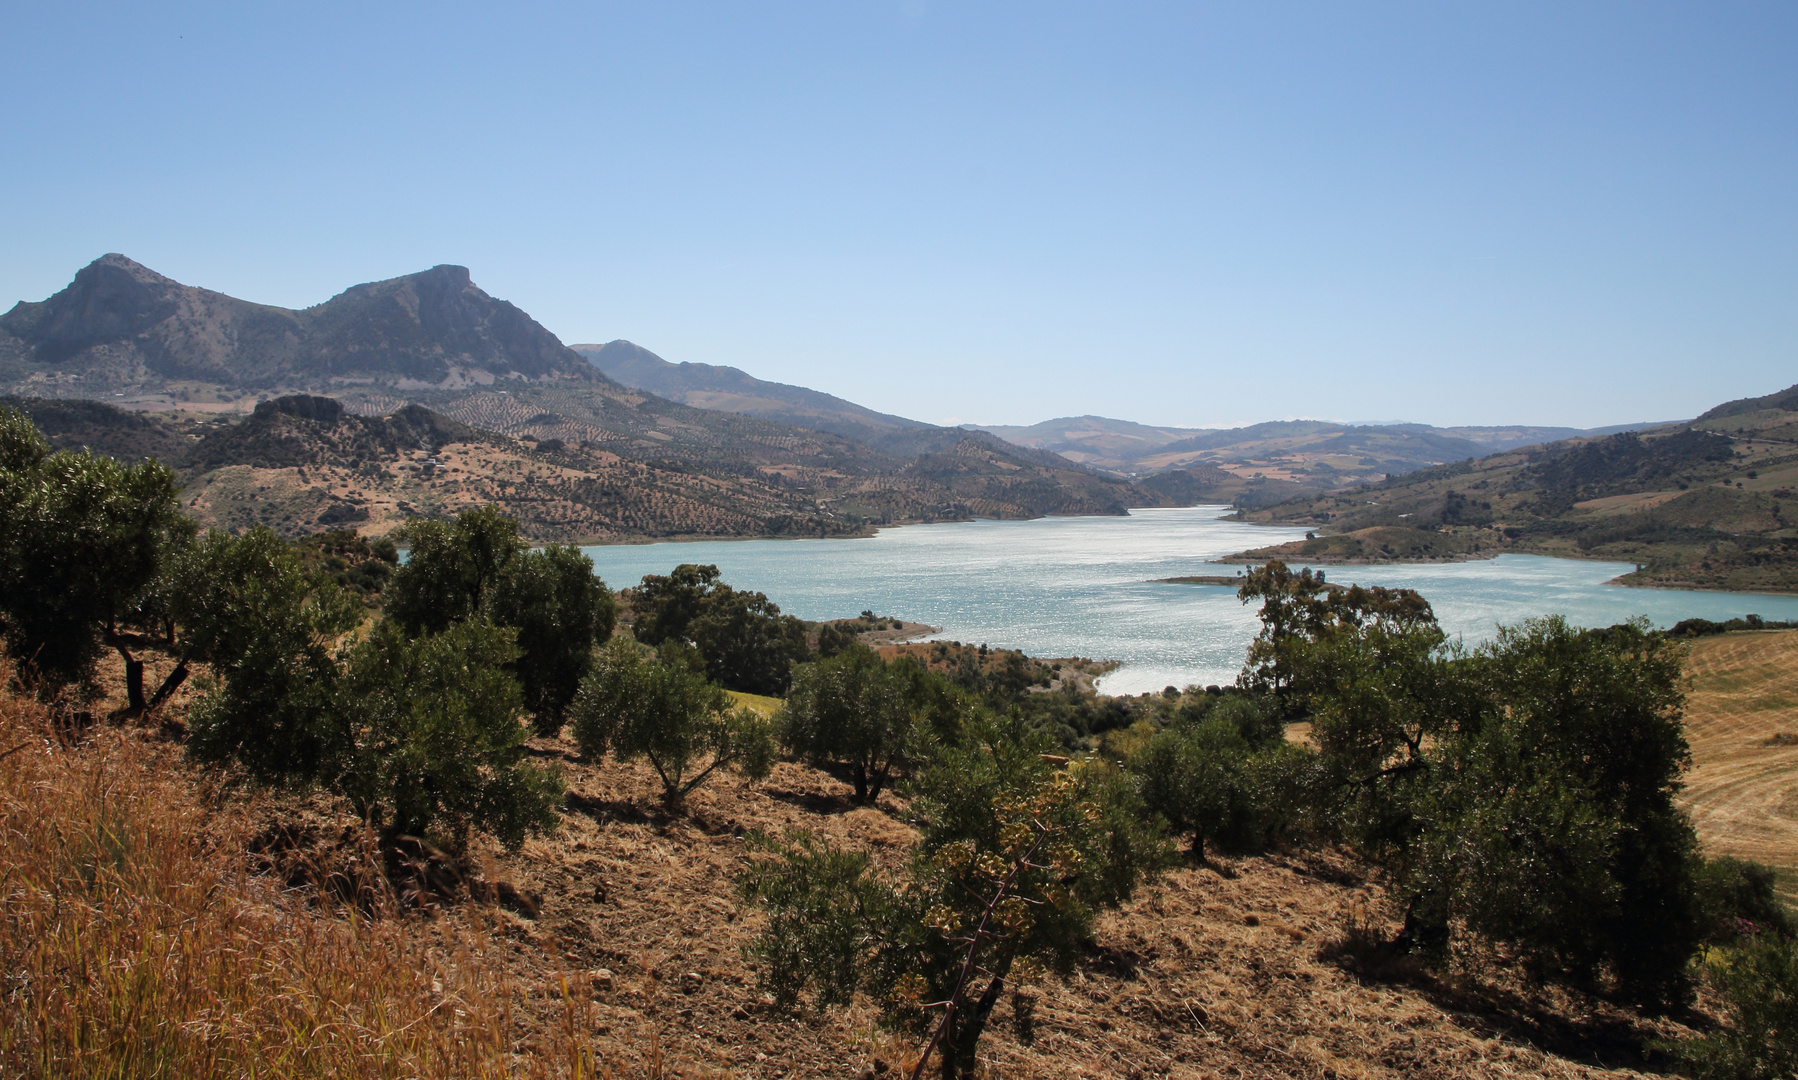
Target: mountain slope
x: 1312, y: 453
x: 1703, y: 504
x: 123, y: 333
x: 122, y: 328
x: 709, y: 386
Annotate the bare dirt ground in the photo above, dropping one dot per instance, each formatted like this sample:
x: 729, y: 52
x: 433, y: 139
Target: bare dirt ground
x: 1742, y: 722
x: 1228, y: 970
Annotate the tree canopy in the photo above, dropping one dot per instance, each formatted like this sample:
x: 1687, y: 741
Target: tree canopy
x: 478, y: 567
x: 744, y: 640
x: 635, y: 706
x: 871, y: 716
x: 83, y: 542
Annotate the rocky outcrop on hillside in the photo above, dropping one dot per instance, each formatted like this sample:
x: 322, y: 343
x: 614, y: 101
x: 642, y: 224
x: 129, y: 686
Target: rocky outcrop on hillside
x: 122, y: 327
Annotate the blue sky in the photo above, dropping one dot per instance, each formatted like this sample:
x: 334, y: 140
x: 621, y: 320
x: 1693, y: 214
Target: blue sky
x: 1186, y: 214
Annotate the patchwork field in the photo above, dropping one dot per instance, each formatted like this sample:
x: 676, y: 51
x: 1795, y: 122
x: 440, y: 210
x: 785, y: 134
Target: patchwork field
x: 1742, y: 721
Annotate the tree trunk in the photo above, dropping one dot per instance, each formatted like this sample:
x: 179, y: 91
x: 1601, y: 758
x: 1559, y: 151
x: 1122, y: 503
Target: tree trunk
x: 169, y: 685
x: 960, y: 1044
x: 134, y: 687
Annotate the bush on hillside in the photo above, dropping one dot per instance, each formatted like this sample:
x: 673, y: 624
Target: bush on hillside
x: 437, y: 739
x: 872, y: 717
x: 1550, y: 823
x: 746, y: 643
x: 1758, y: 984
x: 268, y: 627
x: 414, y: 730
x: 634, y: 706
x: 83, y: 541
x: 1214, y: 785
x: 1522, y: 794
x: 478, y: 567
x: 1013, y: 863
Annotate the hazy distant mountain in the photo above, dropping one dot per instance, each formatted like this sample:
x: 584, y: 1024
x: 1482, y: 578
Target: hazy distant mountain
x: 1094, y: 440
x: 1700, y: 503
x: 121, y: 328
x: 1315, y: 453
x: 710, y: 386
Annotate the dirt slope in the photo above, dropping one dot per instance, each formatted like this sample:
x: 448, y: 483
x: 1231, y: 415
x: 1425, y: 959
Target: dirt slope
x: 1225, y: 971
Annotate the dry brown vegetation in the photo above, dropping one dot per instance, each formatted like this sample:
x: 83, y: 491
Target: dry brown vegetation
x: 1742, y: 722
x: 140, y: 938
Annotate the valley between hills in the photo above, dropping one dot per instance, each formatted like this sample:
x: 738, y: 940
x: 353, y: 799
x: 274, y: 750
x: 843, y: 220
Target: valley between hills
x: 422, y: 396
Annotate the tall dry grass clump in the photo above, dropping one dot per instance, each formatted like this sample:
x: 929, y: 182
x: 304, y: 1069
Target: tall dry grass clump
x: 135, y: 940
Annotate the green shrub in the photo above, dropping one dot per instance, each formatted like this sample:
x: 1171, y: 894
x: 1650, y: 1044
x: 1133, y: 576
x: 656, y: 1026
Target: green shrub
x: 1210, y: 783
x: 268, y: 626
x: 633, y: 706
x: 1758, y: 984
x: 478, y: 567
x: 83, y: 541
x: 873, y: 717
x: 1738, y: 897
x: 1549, y: 824
x: 414, y: 731
x: 747, y: 644
x: 1014, y: 861
x: 437, y: 736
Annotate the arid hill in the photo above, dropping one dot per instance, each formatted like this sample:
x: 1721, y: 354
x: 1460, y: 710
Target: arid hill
x: 618, y: 942
x: 1704, y: 504
x: 123, y: 334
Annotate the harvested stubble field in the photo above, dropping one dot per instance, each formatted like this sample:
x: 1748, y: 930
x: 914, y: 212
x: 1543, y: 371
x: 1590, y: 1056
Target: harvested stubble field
x: 1238, y: 969
x: 1742, y: 722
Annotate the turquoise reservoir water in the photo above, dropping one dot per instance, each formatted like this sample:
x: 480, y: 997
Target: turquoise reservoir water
x: 1084, y: 587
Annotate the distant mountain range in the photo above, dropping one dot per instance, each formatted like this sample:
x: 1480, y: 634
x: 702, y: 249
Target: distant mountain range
x: 1707, y: 503
x: 708, y: 386
x: 1321, y: 452
x: 629, y: 463
x: 766, y: 457
x: 122, y: 329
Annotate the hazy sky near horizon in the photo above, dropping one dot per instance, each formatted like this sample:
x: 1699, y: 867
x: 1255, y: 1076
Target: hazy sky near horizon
x: 1193, y: 214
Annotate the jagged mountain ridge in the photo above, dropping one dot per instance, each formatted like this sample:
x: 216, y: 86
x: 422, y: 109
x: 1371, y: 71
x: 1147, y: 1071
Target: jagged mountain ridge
x: 121, y: 332
x: 122, y: 328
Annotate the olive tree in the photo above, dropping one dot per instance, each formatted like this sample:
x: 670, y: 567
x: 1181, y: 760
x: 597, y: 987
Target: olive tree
x: 746, y: 643
x: 871, y: 716
x: 436, y: 736
x: 269, y: 628
x: 415, y: 731
x: 1013, y: 863
x: 1549, y: 823
x: 83, y: 542
x: 478, y: 567
x: 635, y: 706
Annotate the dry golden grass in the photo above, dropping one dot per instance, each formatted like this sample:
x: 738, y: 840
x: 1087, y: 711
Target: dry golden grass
x: 1742, y: 722
x: 136, y: 940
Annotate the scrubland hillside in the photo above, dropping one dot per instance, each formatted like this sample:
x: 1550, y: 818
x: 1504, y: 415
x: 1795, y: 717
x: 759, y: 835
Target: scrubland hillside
x: 144, y: 937
x: 1696, y: 505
